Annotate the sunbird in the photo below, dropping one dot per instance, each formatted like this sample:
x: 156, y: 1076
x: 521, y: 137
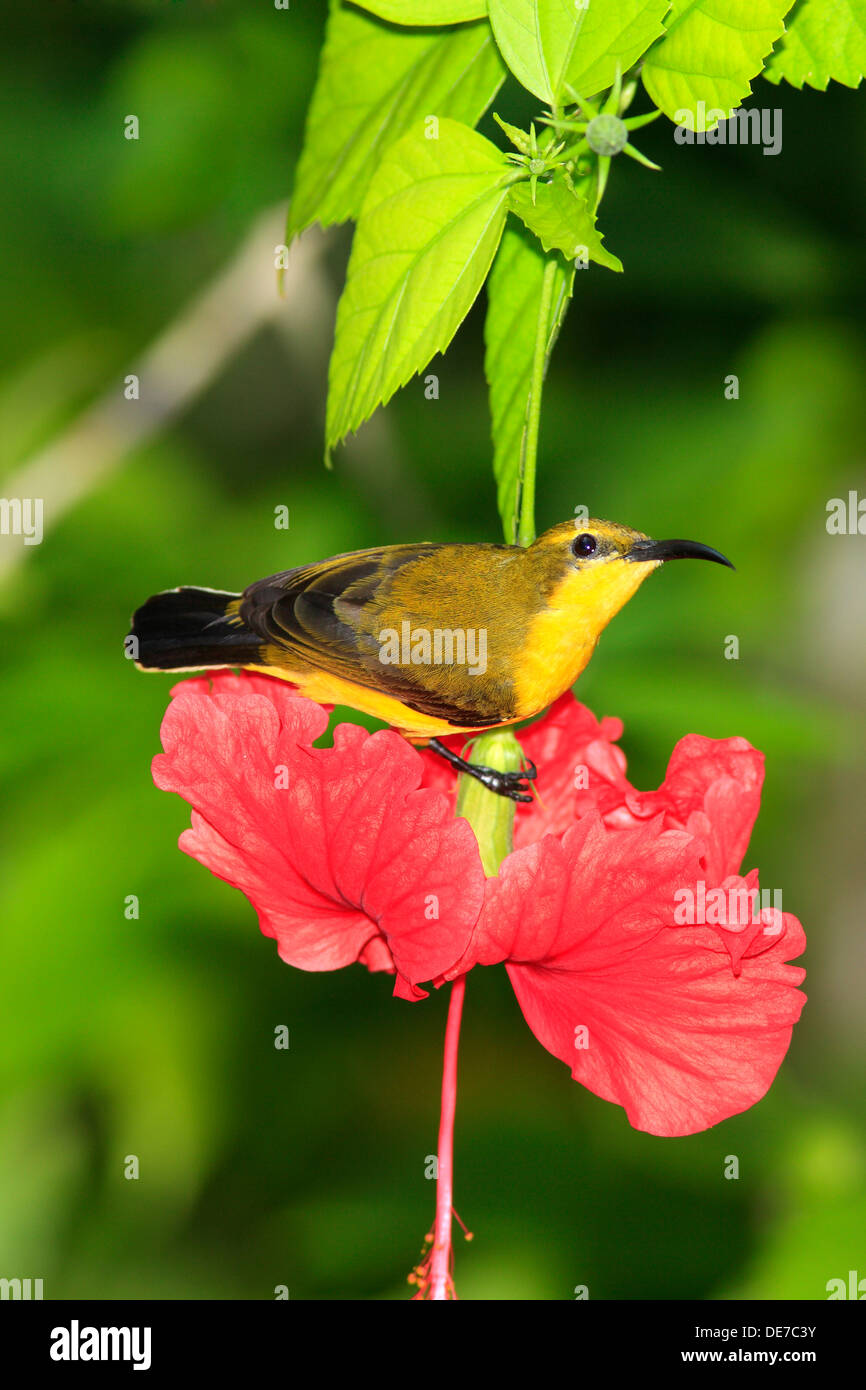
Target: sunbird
x: 433, y: 639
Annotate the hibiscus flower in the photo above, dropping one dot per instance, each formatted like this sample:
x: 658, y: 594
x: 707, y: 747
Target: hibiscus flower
x: 353, y: 853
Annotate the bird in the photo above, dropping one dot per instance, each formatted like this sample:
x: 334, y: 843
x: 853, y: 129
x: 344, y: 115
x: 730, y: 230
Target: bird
x: 432, y: 638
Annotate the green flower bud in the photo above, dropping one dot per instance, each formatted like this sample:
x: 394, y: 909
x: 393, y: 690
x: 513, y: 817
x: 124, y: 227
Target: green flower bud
x: 607, y: 135
x: 491, y: 816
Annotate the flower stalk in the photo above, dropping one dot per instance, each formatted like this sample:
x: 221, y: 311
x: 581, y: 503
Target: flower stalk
x: 492, y: 819
x: 441, y: 1281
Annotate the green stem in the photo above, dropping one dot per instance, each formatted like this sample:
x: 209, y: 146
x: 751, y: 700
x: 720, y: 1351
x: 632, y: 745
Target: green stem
x: 490, y: 815
x: 492, y: 819
x: 526, y: 529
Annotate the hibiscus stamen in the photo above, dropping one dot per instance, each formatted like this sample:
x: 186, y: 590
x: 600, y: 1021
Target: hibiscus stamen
x: 467, y: 1234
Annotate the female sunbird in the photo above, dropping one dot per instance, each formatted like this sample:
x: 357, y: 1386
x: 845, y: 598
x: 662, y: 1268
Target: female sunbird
x: 432, y: 639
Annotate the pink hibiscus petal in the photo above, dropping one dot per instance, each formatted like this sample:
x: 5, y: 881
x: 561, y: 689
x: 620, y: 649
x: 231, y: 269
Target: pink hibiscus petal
x: 647, y: 1014
x: 340, y: 852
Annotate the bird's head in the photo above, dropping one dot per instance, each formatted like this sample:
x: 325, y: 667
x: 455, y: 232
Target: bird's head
x: 595, y: 566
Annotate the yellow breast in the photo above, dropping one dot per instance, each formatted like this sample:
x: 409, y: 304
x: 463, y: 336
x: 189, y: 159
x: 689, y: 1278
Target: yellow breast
x: 562, y: 637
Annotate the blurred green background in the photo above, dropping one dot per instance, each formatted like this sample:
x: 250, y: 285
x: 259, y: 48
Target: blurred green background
x: 154, y: 1036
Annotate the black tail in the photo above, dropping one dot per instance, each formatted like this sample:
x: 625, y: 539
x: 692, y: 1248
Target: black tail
x: 187, y: 629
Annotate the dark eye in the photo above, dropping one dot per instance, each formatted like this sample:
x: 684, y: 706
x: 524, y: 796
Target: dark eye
x: 584, y: 545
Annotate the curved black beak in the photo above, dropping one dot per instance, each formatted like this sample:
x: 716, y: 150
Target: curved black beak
x: 676, y: 550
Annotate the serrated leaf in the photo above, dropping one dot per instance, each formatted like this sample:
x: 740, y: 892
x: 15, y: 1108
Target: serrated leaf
x: 702, y: 69
x: 557, y: 48
x: 562, y: 221
x: 510, y: 332
x: 614, y: 35
x: 427, y: 233
x: 425, y: 11
x: 373, y: 84
x: 825, y: 41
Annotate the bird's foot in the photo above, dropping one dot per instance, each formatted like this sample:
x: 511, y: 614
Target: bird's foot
x: 514, y: 785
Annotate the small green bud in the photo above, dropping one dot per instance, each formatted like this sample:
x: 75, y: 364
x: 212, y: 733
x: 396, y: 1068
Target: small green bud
x: 490, y: 815
x: 607, y: 135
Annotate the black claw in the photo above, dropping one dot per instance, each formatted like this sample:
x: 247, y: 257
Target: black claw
x: 510, y: 784
x: 509, y: 789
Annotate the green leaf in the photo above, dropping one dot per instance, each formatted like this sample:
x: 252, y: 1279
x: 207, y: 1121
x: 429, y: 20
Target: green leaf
x: 428, y: 230
x: 702, y: 69
x: 519, y: 138
x: 562, y: 221
x: 825, y: 41
x: 425, y: 11
x: 374, y: 84
x: 613, y: 36
x: 557, y: 48
x: 510, y: 331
